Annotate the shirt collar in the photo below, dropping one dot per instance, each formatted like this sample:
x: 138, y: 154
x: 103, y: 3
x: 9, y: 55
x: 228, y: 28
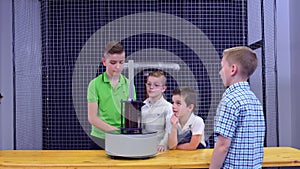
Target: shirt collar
x: 159, y: 101
x: 189, y: 122
x: 239, y: 85
x: 106, y: 80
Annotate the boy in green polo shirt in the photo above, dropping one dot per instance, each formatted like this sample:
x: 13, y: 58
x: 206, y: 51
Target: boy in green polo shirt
x: 105, y: 93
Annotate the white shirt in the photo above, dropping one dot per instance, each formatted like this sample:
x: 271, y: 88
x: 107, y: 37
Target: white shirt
x: 154, y: 118
x: 194, y: 125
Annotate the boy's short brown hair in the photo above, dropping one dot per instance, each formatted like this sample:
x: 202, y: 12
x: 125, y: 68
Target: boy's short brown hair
x: 243, y: 56
x: 113, y: 47
x: 188, y: 93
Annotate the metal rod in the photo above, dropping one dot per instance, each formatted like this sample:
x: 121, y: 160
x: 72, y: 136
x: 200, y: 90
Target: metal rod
x: 131, y: 79
x: 155, y: 65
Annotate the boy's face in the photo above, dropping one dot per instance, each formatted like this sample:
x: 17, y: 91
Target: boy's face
x: 155, y: 86
x: 114, y: 63
x: 225, y: 71
x: 179, y: 106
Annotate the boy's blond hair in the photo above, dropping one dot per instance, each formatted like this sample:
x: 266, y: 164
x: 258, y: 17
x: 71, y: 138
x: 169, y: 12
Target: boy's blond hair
x: 244, y: 57
x: 158, y: 73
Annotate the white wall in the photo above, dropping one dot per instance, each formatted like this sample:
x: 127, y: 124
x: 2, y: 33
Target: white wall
x: 6, y: 78
x: 295, y: 71
x: 288, y: 53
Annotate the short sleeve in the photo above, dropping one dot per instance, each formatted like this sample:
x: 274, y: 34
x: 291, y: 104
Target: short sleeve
x: 91, y: 92
x: 227, y: 120
x: 198, y: 126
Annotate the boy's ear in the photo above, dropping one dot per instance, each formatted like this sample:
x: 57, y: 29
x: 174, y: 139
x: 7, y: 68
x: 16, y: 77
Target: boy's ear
x: 103, y: 59
x: 234, y: 69
x: 164, y: 88
x: 191, y: 107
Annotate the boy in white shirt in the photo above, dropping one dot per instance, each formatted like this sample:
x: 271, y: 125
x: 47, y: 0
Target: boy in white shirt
x: 186, y: 130
x: 156, y: 108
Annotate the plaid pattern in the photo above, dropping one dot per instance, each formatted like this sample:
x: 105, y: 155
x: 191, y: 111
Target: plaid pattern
x: 240, y: 117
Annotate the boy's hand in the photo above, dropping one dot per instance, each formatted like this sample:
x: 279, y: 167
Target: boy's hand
x: 113, y: 128
x: 161, y: 148
x: 174, y: 120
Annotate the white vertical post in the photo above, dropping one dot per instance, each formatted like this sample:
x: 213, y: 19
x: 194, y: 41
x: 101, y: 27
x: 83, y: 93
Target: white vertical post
x: 131, y: 79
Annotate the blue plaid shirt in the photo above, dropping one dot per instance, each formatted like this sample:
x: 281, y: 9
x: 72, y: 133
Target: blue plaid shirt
x: 240, y: 117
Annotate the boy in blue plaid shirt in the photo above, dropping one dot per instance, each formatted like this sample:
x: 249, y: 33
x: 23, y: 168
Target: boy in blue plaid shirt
x: 240, y: 123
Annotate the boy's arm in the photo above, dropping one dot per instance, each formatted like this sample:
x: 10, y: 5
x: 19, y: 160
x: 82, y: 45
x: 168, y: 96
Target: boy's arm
x: 192, y: 145
x: 95, y: 120
x: 164, y: 140
x: 172, y: 138
x: 168, y: 115
x: 220, y: 152
x: 197, y: 134
x: 163, y: 145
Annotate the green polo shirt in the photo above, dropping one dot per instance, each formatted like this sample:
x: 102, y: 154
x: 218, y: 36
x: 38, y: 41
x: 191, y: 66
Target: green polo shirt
x: 100, y: 90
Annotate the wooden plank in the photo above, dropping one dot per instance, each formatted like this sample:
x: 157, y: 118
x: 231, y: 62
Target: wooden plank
x: 87, y: 159
x: 281, y: 156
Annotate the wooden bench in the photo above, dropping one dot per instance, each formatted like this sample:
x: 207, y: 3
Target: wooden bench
x: 90, y: 159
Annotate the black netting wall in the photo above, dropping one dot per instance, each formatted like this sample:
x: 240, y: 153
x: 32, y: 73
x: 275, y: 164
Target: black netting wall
x: 261, y: 37
x: 270, y: 86
x: 183, y: 38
